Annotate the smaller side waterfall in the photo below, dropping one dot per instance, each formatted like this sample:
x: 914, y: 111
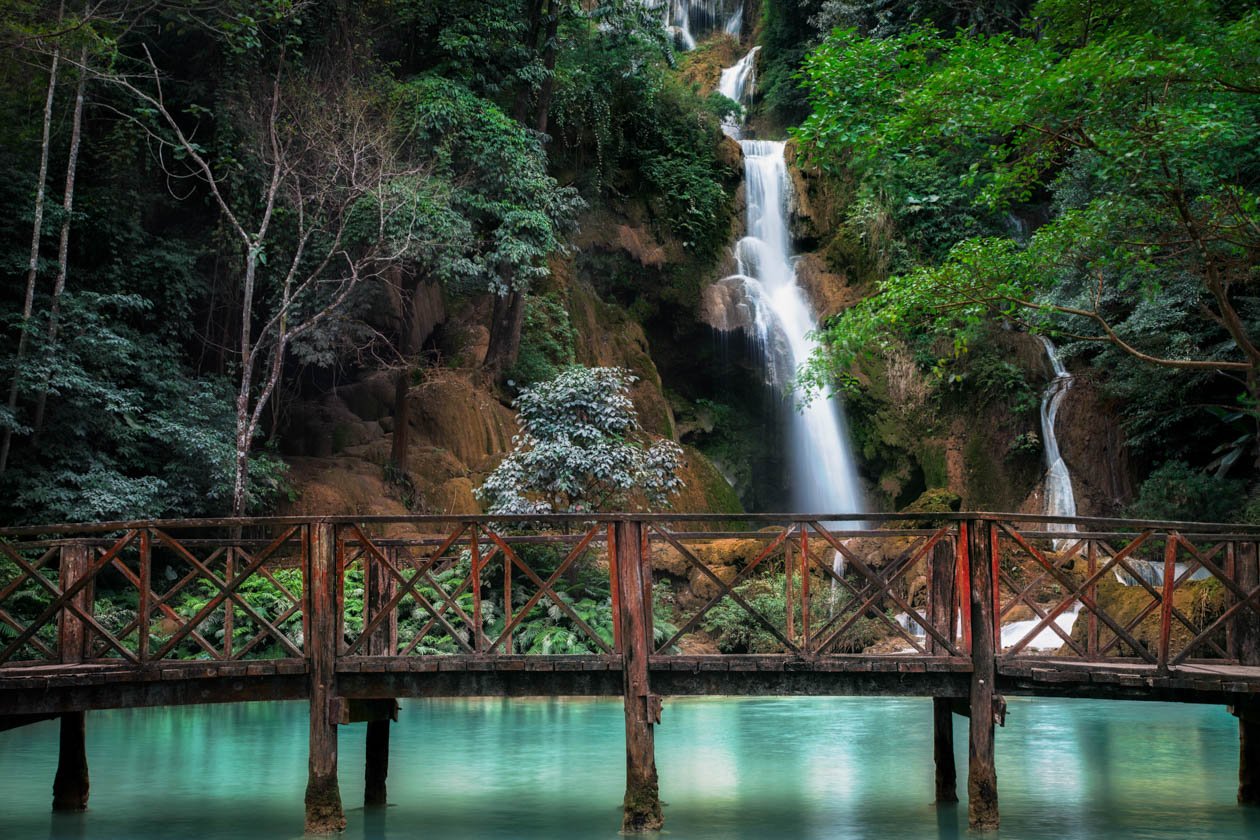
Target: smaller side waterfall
x: 1060, y: 500
x: 739, y: 83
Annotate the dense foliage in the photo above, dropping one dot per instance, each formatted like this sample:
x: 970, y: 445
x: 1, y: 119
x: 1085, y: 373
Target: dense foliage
x: 215, y: 208
x: 1086, y: 170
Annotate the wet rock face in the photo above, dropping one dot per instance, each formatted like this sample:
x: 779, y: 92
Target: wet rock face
x: 727, y: 307
x: 829, y: 293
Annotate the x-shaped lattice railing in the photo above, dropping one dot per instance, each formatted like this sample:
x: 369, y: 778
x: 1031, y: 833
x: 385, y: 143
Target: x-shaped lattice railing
x: 29, y: 570
x: 1023, y: 595
x: 878, y: 589
x: 1245, y: 599
x: 410, y: 587
x: 1084, y: 593
x: 425, y: 569
x: 63, y: 600
x: 726, y: 590
x: 227, y: 593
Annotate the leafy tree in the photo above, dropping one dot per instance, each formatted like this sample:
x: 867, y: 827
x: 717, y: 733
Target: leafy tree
x: 1134, y: 125
x: 581, y: 449
x: 516, y: 210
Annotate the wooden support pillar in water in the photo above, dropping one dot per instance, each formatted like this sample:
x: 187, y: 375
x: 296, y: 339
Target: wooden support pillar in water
x: 642, y: 804
x: 941, y: 615
x: 982, y: 792
x: 1244, y: 639
x: 323, y: 797
x: 71, y: 784
x: 383, y: 642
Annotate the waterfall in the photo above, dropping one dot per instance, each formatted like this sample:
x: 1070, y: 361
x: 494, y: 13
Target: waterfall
x: 824, y: 474
x: 692, y: 20
x: 1059, y: 498
x: 739, y: 83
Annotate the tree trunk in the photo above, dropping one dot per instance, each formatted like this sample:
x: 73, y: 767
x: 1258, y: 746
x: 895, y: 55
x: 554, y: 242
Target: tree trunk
x: 505, y: 332
x: 244, y: 430
x: 33, y: 266
x: 549, y: 62
x: 63, y: 247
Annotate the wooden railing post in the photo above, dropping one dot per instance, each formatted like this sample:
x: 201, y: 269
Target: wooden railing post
x: 1244, y: 639
x: 323, y: 796
x: 941, y: 615
x: 642, y: 803
x: 982, y: 793
x: 379, y: 586
x: 71, y: 784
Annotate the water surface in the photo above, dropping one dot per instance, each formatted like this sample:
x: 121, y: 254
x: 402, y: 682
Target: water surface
x: 730, y: 768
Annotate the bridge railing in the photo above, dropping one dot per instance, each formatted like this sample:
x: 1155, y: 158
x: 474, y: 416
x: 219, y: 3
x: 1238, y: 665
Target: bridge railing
x: 765, y: 585
x: 1150, y: 594
x: 1156, y: 595
x: 154, y: 593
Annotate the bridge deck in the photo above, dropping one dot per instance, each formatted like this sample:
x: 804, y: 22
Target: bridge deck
x: 52, y: 689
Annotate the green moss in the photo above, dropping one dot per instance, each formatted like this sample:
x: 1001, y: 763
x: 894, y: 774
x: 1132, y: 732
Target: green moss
x: 719, y: 495
x: 932, y: 461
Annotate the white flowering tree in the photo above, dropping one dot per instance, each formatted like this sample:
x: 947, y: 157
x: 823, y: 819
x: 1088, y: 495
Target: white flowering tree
x: 581, y: 449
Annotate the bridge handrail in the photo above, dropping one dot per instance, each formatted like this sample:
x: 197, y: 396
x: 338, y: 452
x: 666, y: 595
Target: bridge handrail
x: 1037, y: 572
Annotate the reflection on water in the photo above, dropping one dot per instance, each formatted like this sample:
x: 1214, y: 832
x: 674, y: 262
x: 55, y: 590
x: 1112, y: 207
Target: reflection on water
x: 730, y: 768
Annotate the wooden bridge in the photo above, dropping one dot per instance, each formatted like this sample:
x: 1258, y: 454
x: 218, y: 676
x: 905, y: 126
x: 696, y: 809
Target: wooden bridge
x: 353, y: 613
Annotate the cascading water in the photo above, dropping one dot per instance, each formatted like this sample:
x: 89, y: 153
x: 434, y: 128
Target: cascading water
x: 824, y: 474
x: 1059, y: 498
x: 739, y: 83
x: 692, y: 21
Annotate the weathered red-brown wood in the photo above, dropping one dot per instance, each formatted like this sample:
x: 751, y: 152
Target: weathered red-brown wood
x: 982, y: 792
x: 642, y: 803
x: 71, y: 785
x: 941, y: 614
x: 380, y: 585
x: 1166, y: 602
x: 324, y: 814
x: 1244, y: 638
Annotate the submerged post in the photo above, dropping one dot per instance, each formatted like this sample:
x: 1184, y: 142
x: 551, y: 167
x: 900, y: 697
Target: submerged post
x: 71, y: 784
x: 982, y: 794
x: 379, y: 584
x: 1245, y: 641
x: 941, y: 615
x: 323, y: 797
x: 642, y: 804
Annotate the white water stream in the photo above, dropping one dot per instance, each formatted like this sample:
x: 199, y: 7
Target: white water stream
x: 823, y: 471
x: 1059, y: 498
x: 691, y: 20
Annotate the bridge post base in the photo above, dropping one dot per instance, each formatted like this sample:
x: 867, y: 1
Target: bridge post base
x: 943, y: 749
x: 71, y: 784
x: 376, y: 764
x: 1248, y: 760
x: 323, y: 806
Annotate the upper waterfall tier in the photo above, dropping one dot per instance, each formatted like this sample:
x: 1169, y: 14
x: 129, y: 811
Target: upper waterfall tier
x: 693, y: 20
x: 824, y: 473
